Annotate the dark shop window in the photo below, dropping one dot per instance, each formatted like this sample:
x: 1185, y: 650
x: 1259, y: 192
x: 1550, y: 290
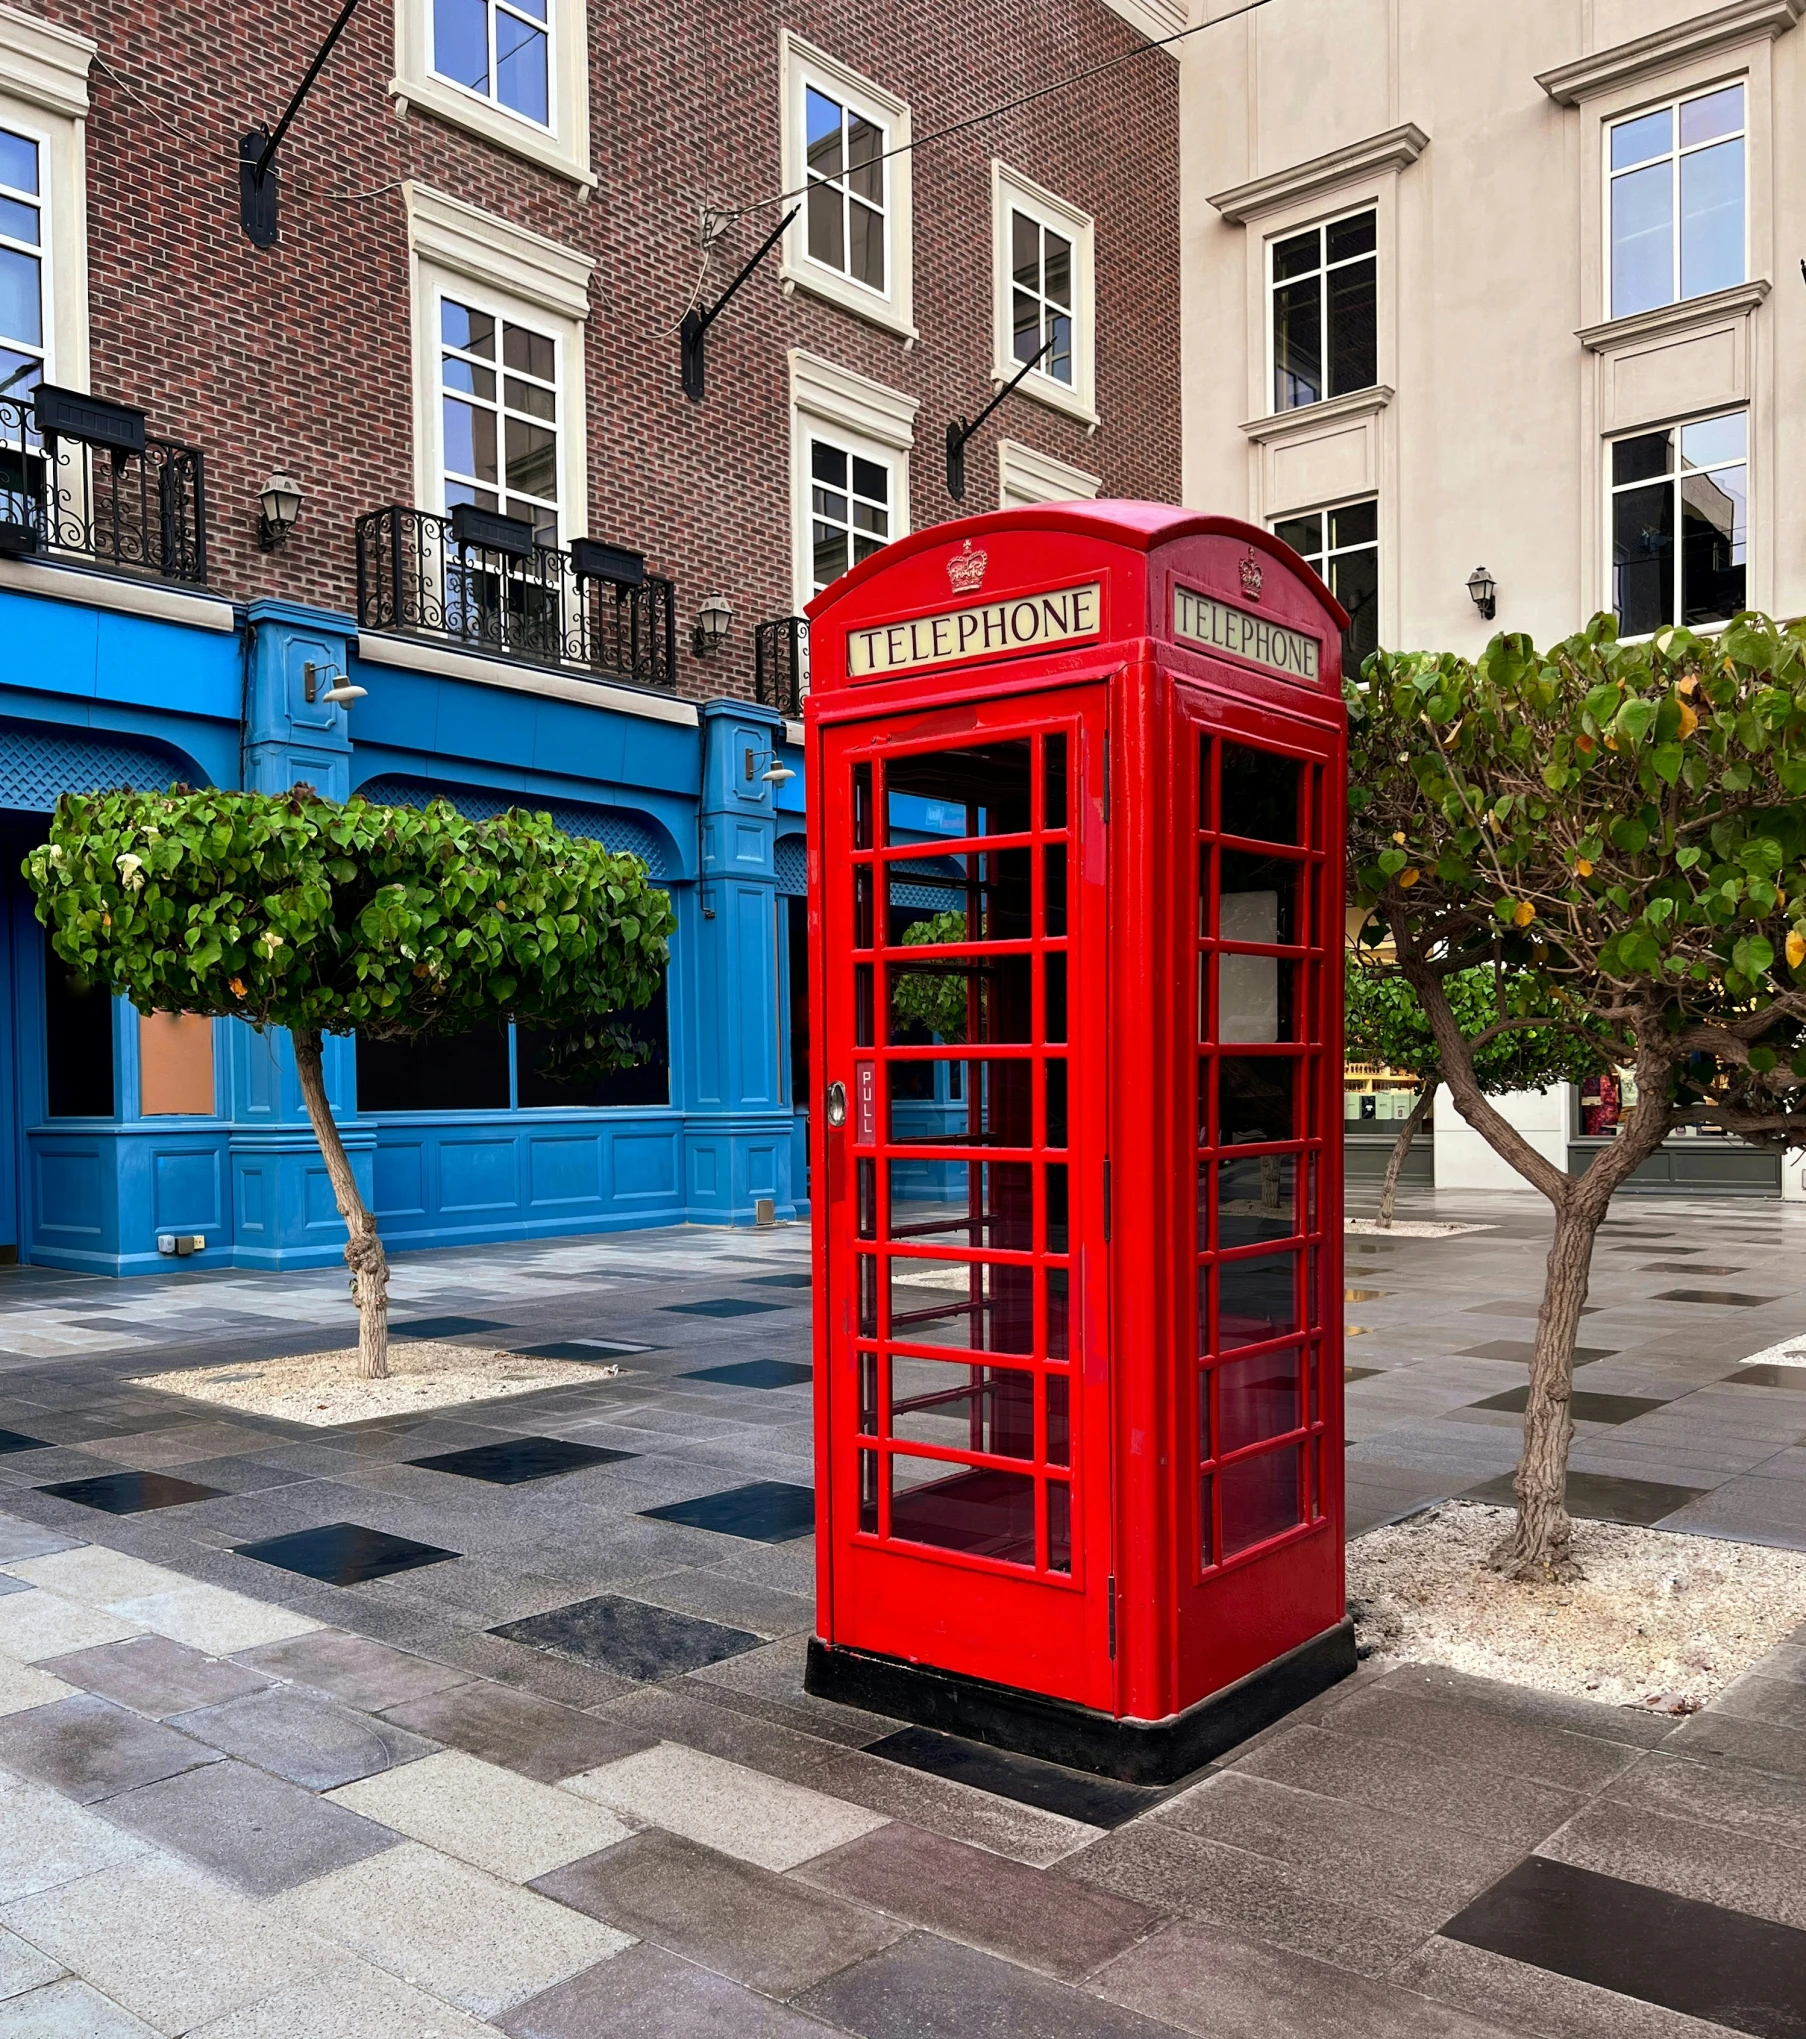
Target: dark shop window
x: 78, y: 1045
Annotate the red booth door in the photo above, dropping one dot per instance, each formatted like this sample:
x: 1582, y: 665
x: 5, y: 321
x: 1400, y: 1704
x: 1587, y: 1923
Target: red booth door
x: 967, y: 1404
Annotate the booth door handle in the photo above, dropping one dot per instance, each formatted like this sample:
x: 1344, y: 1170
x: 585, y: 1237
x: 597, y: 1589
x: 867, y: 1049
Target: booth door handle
x: 837, y: 1104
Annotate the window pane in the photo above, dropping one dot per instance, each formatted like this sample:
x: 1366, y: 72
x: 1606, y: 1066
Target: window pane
x: 980, y: 791
x: 1714, y: 544
x: 532, y: 459
x: 1058, y: 363
x: 1259, y: 795
x: 964, y: 1408
x: 18, y: 161
x: 827, y: 226
x: 461, y: 42
x: 469, y: 440
x: 529, y: 352
x: 78, y: 1045
x: 865, y: 234
x: 1254, y: 999
x: 865, y: 154
x: 871, y: 480
x: 468, y: 1072
x: 1056, y: 281
x: 1293, y: 257
x: 821, y: 122
x: 829, y: 464
x: 528, y: 397
x: 1303, y: 534
x: 19, y: 221
x: 1257, y: 898
x: 1353, y: 341
x: 1259, y: 1497
x: 1354, y: 580
x: 1354, y: 524
x: 1357, y: 236
x: 1719, y: 113
x: 1636, y: 141
x: 1256, y: 1198
x: 1642, y: 240
x: 1256, y: 1299
x: 520, y: 67
x: 1297, y: 345
x: 982, y: 1510
x: 1643, y: 558
x: 467, y: 376
x: 1025, y: 323
x: 473, y: 331
x: 21, y: 314
x: 560, y: 1067
x: 979, y: 1203
x: 18, y: 372
x: 1025, y: 250
x: 1713, y: 440
x: 829, y: 557
x: 1643, y: 458
x: 1257, y: 1398
x: 1712, y: 219
x: 1255, y: 1098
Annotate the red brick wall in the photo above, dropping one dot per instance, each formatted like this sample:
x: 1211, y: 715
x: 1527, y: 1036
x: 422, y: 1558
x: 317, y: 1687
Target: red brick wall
x: 299, y: 356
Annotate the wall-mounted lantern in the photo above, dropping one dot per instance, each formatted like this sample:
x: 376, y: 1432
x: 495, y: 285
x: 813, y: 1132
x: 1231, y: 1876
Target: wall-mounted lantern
x: 278, y: 506
x: 1484, y: 589
x: 714, y: 619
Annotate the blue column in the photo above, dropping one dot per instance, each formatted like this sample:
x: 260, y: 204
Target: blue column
x: 737, y: 1132
x: 289, y: 739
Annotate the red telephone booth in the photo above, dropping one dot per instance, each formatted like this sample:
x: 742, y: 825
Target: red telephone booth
x: 1075, y: 884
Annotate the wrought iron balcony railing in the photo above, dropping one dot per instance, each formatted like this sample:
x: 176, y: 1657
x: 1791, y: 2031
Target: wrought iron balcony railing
x: 479, y: 579
x: 781, y: 663
x: 81, y: 479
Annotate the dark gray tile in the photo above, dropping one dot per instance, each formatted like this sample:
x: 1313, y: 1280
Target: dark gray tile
x: 964, y: 1893
x: 1600, y: 1497
x: 254, y: 1830
x: 299, y: 1735
x: 724, y: 1306
x: 1705, y: 1960
x: 519, y: 1730
x: 153, y: 1675
x: 585, y: 1350
x: 1693, y: 1267
x: 344, y: 1553
x: 1522, y: 1306
x: 647, y: 1993
x: 1521, y: 1351
x: 513, y: 1461
x: 929, y: 1988
x: 755, y: 1373
x: 444, y: 1327
x: 362, y: 1673
x: 767, y: 1931
x: 1098, y: 1801
x: 1728, y: 1299
x: 1587, y: 1408
x: 130, y: 1493
x: 630, y: 1638
x: 1518, y: 1998
x: 778, y: 1281
x: 87, y: 1748
x: 766, y: 1511
x: 17, y: 1440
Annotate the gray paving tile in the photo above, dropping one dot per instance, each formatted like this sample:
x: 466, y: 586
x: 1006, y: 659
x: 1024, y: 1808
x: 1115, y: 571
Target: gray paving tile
x: 1777, y: 1702
x: 1717, y: 1794
x: 929, y: 1988
x: 739, y: 1602
x: 350, y: 2002
x: 155, y: 1676
x: 88, y: 1748
x: 363, y: 1673
x: 630, y: 1638
x: 1714, y: 1864
x: 1055, y: 1924
x: 538, y: 1737
x: 765, y: 1930
x: 303, y: 1736
x: 252, y: 1830
x: 22, y: 1967
x: 69, y: 2009
x: 652, y: 1994
x: 512, y: 1663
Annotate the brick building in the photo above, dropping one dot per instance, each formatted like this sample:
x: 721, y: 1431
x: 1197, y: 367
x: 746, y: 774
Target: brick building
x: 462, y: 348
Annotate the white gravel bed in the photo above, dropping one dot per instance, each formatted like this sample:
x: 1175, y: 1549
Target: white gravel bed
x: 323, y: 1388
x: 1659, y: 1620
x: 1412, y: 1228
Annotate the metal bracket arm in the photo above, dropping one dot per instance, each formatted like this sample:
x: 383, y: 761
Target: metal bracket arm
x: 696, y: 321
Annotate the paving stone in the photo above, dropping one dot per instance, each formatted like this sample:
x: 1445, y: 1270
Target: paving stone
x: 725, y: 1805
x: 652, y: 1994
x: 94, y: 1575
x: 344, y: 1553
x: 300, y: 1735
x: 69, y: 2009
x: 351, y: 2002
x: 363, y: 1673
x: 631, y: 1638
x: 1715, y: 1865
x: 536, y: 1737
x: 132, y: 1493
x: 253, y: 1831
x: 1063, y: 1927
x: 1075, y: 1794
x: 1777, y: 1702
x: 155, y: 1676
x: 1717, y: 1794
x: 929, y: 1988
x: 475, y: 1941
x: 738, y: 1602
x: 88, y: 1748
x: 1754, y: 1743
x: 22, y: 1966
x: 495, y: 1818
x: 36, y: 1625
x: 22, y: 1687
x: 767, y: 1931
x: 943, y: 1805
x: 1210, y: 1982
x: 46, y: 1840
x: 170, y: 1944
x: 1551, y: 1755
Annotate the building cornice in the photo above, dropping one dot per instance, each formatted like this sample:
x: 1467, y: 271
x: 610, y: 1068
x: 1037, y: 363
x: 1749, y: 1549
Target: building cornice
x: 844, y: 397
x: 448, y: 663
x: 157, y: 599
x: 1703, y: 36
x: 1156, y: 19
x: 45, y: 64
x: 1610, y: 334
x: 1396, y: 149
x: 1308, y: 418
x: 495, y: 251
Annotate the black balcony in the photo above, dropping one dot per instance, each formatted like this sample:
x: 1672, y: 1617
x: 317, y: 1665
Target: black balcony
x: 781, y: 664
x: 479, y: 580
x: 80, y: 479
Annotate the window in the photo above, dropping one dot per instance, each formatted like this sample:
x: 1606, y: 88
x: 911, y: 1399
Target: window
x: 1680, y: 524
x: 849, y: 509
x: 22, y: 244
x: 845, y: 149
x: 1676, y: 177
x: 498, y: 49
x: 498, y: 385
x: 1343, y: 545
x: 1043, y: 295
x: 78, y: 1044
x: 1324, y: 308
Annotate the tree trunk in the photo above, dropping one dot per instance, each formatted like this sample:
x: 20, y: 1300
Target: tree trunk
x: 364, y: 1254
x: 1400, y: 1148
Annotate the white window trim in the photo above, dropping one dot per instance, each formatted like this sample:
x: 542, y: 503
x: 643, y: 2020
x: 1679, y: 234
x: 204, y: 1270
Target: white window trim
x: 1010, y: 190
x: 459, y: 251
x: 1607, y: 490
x: 801, y: 64
x: 563, y: 146
x: 864, y: 416
x: 44, y: 94
x: 1025, y: 476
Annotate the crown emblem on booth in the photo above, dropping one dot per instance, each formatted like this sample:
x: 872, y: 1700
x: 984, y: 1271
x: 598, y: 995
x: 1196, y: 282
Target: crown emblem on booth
x: 966, y: 570
x: 1252, y: 578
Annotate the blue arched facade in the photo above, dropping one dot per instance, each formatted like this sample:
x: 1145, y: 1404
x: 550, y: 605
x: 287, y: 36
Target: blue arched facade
x: 106, y: 683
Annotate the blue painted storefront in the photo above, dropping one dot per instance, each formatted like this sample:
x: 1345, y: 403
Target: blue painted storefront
x: 93, y: 694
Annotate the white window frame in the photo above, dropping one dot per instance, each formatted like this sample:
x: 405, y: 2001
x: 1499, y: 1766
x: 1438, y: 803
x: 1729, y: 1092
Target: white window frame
x: 1011, y: 192
x: 477, y: 299
x: 800, y: 66
x: 1271, y: 288
x: 1608, y: 177
x: 458, y: 251
x: 1327, y: 554
x: 561, y: 146
x: 44, y: 96
x: 877, y: 423
x: 1610, y: 490
x: 1026, y: 475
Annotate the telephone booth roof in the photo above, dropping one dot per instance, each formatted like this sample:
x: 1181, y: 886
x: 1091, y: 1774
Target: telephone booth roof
x: 1071, y: 589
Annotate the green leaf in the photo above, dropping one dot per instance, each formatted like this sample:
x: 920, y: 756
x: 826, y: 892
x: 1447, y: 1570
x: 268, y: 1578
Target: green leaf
x: 1628, y: 835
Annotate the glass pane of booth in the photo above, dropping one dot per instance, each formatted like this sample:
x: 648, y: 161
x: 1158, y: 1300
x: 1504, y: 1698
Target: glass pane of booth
x: 958, y: 793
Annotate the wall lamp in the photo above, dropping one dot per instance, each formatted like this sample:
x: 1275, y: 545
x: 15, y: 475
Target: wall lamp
x: 1484, y: 589
x: 714, y: 618
x: 278, y: 506
x: 776, y: 773
x: 337, y: 688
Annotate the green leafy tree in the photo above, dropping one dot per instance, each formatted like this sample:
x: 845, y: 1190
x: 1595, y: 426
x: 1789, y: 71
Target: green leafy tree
x: 1383, y: 1022
x: 287, y: 910
x: 1628, y: 820
x: 935, y: 999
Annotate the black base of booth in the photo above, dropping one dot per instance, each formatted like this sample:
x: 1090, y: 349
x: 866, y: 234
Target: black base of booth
x: 1136, y: 1751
